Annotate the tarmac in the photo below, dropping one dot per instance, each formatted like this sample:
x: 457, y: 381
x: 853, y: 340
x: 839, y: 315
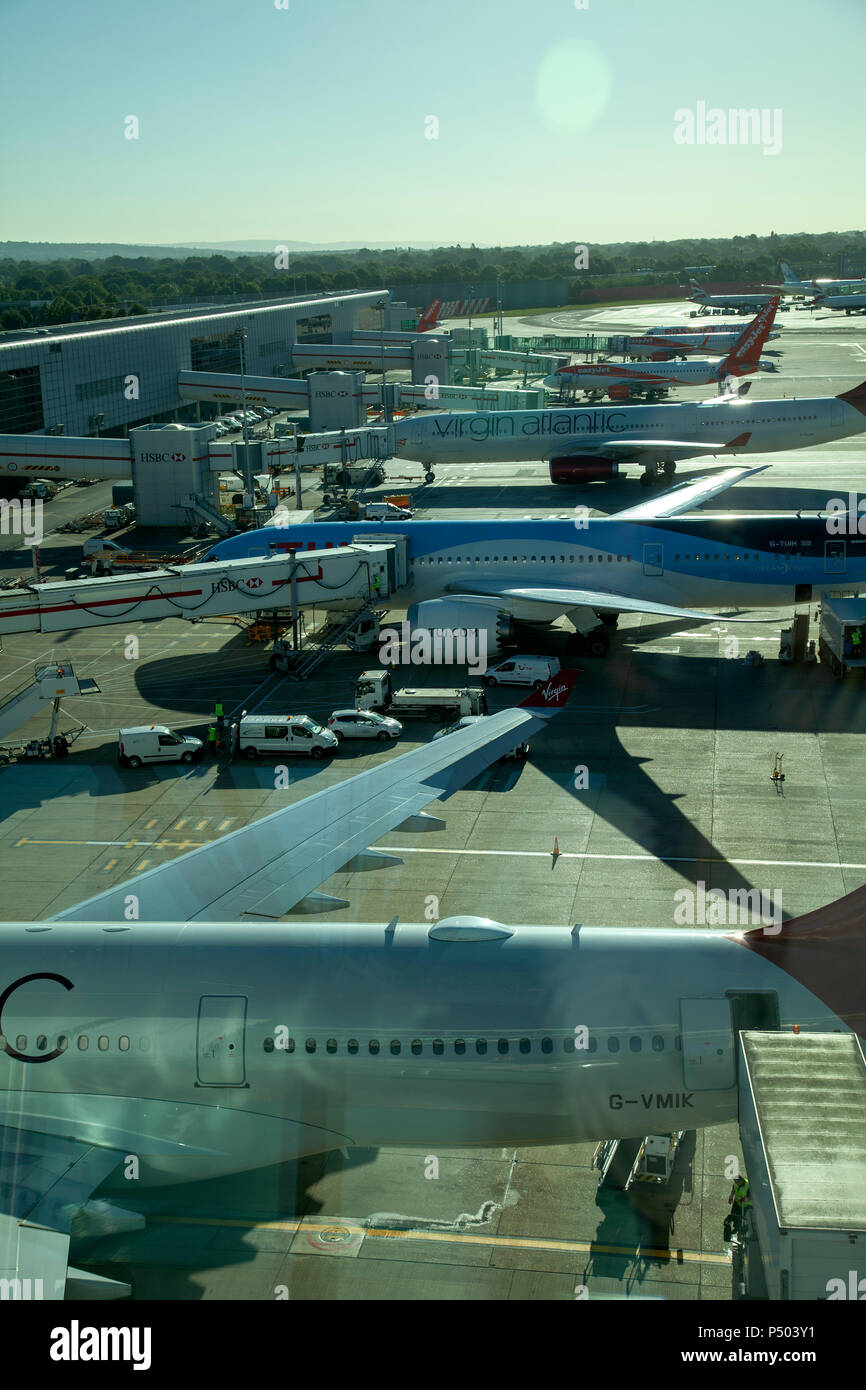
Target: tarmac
x: 678, y: 738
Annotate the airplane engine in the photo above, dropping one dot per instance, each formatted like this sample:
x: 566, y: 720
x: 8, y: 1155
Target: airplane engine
x: 459, y: 614
x: 582, y: 468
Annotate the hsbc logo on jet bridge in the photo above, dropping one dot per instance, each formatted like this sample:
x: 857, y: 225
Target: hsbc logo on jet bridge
x: 162, y: 458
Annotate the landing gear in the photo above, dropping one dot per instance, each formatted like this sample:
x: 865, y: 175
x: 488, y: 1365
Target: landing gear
x: 594, y: 643
x: 669, y: 469
x: 429, y: 477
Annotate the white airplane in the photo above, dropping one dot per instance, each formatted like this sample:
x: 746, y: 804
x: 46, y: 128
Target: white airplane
x: 660, y: 344
x: 726, y: 301
x: 621, y: 382
x: 154, y: 1034
x: 193, y: 1047
x: 851, y: 303
x: 590, y: 444
x: 792, y: 284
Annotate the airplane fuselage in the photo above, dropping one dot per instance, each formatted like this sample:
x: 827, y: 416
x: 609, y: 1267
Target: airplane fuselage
x: 206, y: 1049
x: 733, y: 426
x: 699, y: 560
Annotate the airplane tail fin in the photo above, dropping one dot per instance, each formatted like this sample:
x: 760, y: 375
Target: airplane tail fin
x: 551, y: 697
x: 427, y: 321
x: 697, y: 289
x: 823, y: 950
x: 746, y: 352
x: 788, y: 275
x: 856, y: 397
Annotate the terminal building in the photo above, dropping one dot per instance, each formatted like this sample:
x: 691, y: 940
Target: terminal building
x: 107, y: 377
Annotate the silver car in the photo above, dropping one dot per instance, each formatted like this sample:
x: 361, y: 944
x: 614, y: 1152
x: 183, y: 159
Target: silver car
x: 360, y: 723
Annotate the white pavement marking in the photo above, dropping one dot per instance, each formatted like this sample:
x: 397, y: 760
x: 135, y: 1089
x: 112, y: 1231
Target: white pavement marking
x: 635, y: 858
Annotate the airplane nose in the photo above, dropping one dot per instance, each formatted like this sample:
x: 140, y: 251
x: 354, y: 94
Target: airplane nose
x: 551, y: 382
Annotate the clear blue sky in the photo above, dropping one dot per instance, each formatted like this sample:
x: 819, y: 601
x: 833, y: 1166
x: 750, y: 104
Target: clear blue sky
x: 308, y: 123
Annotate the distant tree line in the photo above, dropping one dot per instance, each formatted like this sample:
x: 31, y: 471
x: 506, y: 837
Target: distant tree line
x: 65, y: 291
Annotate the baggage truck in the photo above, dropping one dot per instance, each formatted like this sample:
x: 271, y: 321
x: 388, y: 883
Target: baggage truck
x: 842, y: 634
x: 374, y: 690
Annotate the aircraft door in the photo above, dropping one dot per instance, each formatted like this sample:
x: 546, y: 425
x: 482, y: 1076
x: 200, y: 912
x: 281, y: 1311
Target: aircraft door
x: 834, y: 557
x: 220, y: 1040
x: 653, y: 559
x: 708, y: 1044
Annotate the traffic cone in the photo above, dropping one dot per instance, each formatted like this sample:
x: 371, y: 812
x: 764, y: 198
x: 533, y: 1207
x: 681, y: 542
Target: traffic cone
x: 555, y: 847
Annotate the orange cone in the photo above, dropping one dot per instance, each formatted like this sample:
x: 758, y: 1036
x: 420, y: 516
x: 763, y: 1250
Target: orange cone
x: 555, y: 846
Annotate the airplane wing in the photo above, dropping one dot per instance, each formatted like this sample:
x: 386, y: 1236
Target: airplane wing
x: 685, y: 496
x: 44, y: 1181
x: 558, y: 599
x: 614, y: 446
x: 266, y: 868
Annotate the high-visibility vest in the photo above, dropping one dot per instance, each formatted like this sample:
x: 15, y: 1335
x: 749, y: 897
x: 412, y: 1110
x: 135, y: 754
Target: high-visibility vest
x: 211, y: 734
x: 218, y: 709
x: 741, y: 1192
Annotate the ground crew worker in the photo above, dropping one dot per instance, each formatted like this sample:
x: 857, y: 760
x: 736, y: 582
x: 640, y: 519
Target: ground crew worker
x: 220, y: 717
x: 212, y: 739
x: 739, y: 1202
x: 377, y: 585
x: 856, y: 639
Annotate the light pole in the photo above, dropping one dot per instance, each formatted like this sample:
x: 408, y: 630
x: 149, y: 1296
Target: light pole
x: 381, y: 307
x: 248, y: 468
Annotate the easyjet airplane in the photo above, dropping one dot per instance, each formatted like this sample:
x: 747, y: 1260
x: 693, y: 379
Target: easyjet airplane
x: 620, y: 381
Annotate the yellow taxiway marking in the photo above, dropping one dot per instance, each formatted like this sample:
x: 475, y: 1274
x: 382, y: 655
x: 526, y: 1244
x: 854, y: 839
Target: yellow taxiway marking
x: 150, y: 825
x: 138, y: 868
x: 110, y: 865
x: 566, y: 1247
x: 126, y: 844
x: 225, y: 824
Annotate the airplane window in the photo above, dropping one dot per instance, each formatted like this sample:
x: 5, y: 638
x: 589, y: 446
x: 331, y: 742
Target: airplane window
x: 533, y: 559
x: 676, y: 557
x: 686, y: 557
x: 289, y: 1045
x: 41, y: 1043
x: 678, y: 1043
x: 416, y: 1048
x: 123, y: 1044
x: 268, y: 1045
x: 478, y: 559
x: 21, y: 1042
x: 83, y: 1043
x: 635, y: 1044
x: 610, y: 559
x: 568, y: 1044
x: 580, y: 559
x: 562, y: 559
x: 544, y: 559
x: 102, y: 1042
x: 658, y: 1043
x: 310, y: 1044
x: 62, y: 1042
x: 395, y: 1047
x: 628, y: 557
x: 547, y: 1044
x: 480, y: 1045
x: 524, y: 1045
x: 716, y: 558
x: 502, y: 1045
x: 373, y: 1047
x: 331, y: 1045
x: 352, y: 1046
x: 619, y: 557
x: 438, y: 1047
x: 613, y: 1044
x: 459, y: 1046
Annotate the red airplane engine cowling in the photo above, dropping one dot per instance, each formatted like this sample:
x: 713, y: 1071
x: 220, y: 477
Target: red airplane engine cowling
x: 582, y: 468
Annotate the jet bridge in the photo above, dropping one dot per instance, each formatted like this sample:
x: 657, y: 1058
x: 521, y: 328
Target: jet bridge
x: 329, y: 578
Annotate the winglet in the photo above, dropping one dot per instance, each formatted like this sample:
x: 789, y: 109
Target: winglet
x: 551, y: 697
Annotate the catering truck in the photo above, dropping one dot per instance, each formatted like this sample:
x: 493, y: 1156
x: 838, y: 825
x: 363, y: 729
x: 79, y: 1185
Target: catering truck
x: 374, y: 690
x: 842, y: 634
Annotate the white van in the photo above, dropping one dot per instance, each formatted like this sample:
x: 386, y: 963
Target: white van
x: 155, y: 743
x: 276, y: 735
x: 385, y: 511
x: 523, y: 670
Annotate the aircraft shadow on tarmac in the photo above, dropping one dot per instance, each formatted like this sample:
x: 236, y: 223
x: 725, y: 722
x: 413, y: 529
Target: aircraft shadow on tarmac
x: 626, y: 491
